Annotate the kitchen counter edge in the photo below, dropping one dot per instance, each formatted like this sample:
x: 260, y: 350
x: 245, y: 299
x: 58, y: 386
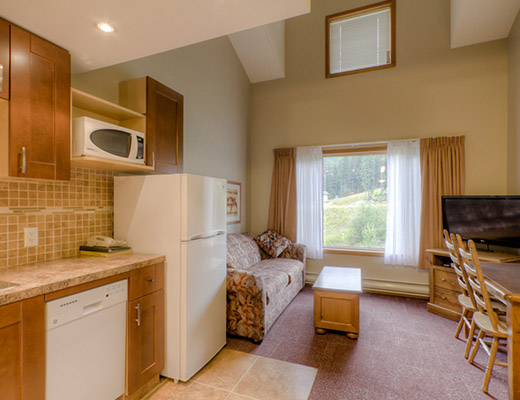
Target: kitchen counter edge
x: 47, y: 277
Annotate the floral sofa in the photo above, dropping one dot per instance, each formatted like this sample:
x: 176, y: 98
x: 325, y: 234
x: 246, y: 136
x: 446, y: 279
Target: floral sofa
x: 259, y: 287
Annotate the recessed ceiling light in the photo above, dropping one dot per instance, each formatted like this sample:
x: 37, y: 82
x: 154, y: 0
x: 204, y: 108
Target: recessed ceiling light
x: 105, y: 27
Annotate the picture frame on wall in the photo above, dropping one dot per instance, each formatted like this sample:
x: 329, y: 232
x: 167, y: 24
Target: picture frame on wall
x: 233, y: 202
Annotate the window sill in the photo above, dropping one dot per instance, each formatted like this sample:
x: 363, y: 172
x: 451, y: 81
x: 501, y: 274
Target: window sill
x: 355, y: 252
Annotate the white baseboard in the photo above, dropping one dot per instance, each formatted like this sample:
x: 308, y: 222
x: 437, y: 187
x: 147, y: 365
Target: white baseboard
x: 385, y: 286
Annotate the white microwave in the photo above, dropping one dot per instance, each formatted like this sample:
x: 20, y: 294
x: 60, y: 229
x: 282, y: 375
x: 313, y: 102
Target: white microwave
x: 91, y: 137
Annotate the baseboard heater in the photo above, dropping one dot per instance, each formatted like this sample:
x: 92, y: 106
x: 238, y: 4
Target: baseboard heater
x: 385, y: 286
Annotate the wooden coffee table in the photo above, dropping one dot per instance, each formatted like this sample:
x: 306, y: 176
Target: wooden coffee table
x: 336, y: 300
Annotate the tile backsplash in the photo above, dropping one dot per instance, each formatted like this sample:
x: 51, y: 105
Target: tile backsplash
x: 66, y: 214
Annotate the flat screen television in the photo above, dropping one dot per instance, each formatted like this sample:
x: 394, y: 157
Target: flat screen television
x: 492, y: 220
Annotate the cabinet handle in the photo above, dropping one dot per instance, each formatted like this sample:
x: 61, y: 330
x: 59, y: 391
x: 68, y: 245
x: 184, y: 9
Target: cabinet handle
x: 153, y: 159
x: 24, y: 159
x: 151, y: 280
x: 138, y: 319
x: 1, y: 77
x: 443, y: 279
x: 443, y: 297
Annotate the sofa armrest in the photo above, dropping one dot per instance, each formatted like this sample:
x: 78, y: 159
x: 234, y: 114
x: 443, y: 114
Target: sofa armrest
x: 246, y: 302
x: 296, y: 252
x: 240, y: 280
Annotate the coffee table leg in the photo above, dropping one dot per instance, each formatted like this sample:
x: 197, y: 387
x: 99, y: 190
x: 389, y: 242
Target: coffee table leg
x: 352, y: 336
x: 319, y: 331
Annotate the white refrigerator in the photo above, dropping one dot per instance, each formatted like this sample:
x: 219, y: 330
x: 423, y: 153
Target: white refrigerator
x: 181, y: 216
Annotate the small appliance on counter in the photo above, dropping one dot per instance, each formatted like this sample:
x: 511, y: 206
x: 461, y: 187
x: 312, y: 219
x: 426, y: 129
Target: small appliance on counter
x: 104, y: 246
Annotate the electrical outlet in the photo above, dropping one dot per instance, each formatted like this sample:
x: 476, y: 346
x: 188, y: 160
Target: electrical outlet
x: 31, y: 237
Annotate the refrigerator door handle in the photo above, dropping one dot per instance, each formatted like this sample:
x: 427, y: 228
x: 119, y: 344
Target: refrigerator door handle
x: 195, y: 237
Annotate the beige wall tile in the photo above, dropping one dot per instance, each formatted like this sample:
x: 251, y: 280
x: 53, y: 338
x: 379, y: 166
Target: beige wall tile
x: 61, y: 230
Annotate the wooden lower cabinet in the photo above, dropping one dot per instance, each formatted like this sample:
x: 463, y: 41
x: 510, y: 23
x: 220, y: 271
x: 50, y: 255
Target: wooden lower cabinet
x: 22, y: 336
x: 145, y: 328
x: 22, y: 350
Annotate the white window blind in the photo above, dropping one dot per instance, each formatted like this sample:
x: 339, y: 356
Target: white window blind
x: 360, y: 41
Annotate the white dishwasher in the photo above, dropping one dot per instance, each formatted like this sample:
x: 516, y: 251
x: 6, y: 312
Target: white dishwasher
x: 86, y: 334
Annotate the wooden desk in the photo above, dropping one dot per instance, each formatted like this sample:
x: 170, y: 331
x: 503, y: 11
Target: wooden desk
x: 503, y: 280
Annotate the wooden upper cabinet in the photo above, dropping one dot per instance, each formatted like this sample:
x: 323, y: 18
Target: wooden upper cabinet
x: 39, y: 137
x: 164, y: 109
x: 4, y: 58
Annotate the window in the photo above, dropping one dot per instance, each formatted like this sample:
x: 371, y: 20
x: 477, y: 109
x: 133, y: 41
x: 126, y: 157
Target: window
x: 361, y: 40
x: 354, y: 198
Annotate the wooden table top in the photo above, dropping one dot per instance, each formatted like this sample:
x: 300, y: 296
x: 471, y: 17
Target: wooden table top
x: 339, y: 279
x: 505, y: 279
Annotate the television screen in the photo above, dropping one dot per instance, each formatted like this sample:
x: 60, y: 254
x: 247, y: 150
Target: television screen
x: 484, y: 219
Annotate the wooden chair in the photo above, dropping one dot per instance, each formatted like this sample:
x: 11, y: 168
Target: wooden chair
x: 465, y: 299
x: 486, y: 318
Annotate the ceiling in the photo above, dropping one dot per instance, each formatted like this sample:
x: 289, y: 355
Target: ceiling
x: 478, y: 21
x: 143, y: 28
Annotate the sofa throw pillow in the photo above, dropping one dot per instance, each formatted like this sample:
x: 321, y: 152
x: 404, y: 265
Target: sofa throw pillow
x: 272, y: 243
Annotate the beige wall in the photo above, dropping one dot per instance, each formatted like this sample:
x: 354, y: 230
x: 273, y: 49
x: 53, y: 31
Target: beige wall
x: 513, y: 45
x: 433, y: 91
x: 216, y: 104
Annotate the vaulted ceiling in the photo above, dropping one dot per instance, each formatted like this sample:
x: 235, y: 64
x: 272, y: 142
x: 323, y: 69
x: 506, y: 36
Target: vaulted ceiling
x: 142, y: 27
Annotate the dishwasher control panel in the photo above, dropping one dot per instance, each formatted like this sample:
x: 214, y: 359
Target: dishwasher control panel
x: 70, y: 308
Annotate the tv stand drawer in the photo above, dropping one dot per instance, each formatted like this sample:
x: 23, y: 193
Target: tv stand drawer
x: 446, y: 278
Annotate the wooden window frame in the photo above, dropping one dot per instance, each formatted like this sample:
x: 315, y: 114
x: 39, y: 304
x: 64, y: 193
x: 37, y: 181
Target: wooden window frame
x: 359, y: 11
x: 358, y: 151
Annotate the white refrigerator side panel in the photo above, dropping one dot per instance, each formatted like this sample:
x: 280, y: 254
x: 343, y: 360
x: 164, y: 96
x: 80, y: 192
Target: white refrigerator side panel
x: 147, y: 214
x: 204, y: 302
x: 203, y: 205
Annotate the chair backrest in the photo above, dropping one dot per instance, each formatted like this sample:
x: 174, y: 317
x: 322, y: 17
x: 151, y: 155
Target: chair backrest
x: 471, y: 263
x: 462, y: 276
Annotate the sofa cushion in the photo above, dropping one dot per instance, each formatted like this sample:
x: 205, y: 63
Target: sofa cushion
x: 275, y: 280
x: 293, y: 268
x: 242, y: 251
x: 272, y: 243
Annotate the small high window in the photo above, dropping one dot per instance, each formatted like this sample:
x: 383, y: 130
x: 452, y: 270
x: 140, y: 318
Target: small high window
x: 361, y: 40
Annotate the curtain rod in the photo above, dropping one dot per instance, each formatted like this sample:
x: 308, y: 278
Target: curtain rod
x: 359, y: 144
x: 370, y: 143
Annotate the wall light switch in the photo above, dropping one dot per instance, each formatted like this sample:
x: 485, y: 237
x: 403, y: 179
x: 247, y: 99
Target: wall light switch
x: 31, y: 237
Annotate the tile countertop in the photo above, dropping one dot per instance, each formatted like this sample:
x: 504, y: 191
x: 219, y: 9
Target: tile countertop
x: 46, y: 277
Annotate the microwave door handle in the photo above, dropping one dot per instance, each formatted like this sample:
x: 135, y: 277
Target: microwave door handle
x: 153, y: 159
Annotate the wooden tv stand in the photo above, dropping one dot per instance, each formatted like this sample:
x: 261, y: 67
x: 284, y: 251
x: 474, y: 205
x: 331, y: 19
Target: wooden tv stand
x: 444, y: 288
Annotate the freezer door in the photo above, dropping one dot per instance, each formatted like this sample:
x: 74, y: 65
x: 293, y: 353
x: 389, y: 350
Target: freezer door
x: 203, y: 295
x: 203, y: 206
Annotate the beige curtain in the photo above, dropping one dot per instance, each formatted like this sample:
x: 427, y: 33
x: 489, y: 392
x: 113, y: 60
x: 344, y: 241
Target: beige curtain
x: 282, y: 206
x: 442, y: 170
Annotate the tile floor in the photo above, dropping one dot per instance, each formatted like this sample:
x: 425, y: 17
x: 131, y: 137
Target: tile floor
x: 234, y: 375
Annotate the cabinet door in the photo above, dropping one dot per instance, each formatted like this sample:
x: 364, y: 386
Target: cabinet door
x: 22, y: 350
x: 4, y: 58
x: 39, y: 138
x: 145, y: 340
x: 11, y: 351
x: 164, y: 127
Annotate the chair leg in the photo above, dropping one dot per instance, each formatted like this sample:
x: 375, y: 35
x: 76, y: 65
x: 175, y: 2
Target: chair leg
x: 461, y: 323
x: 466, y: 327
x: 475, y: 348
x: 470, y: 339
x: 491, y: 362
